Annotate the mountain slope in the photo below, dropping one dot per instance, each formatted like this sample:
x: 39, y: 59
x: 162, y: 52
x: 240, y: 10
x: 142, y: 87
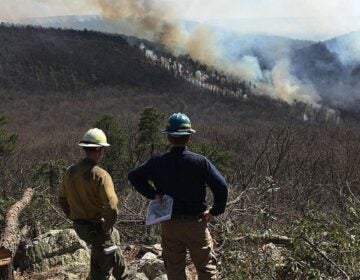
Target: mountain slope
x: 50, y: 59
x: 332, y: 67
x: 66, y: 79
x: 268, y: 49
x: 347, y: 48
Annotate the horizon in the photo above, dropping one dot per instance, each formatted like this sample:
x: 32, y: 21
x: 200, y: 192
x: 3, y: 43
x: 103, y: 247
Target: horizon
x: 307, y: 20
x: 226, y: 24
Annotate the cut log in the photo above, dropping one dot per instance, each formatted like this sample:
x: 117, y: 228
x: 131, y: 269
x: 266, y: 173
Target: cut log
x: 10, y: 239
x: 5, y: 257
x: 5, y: 264
x: 275, y: 239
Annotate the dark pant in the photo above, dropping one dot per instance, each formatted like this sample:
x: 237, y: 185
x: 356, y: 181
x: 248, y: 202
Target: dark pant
x: 102, y: 266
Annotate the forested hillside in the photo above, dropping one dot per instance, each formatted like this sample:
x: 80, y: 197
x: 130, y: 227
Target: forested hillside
x: 71, y: 60
x: 58, y: 78
x: 331, y: 66
x: 287, y: 175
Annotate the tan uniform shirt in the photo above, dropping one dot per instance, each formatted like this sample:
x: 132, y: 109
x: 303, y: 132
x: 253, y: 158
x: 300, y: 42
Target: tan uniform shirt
x: 87, y: 192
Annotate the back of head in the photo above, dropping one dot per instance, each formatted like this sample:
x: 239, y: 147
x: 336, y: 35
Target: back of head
x: 179, y: 140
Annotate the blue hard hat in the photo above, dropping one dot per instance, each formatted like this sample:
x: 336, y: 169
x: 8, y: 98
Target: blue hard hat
x: 178, y: 125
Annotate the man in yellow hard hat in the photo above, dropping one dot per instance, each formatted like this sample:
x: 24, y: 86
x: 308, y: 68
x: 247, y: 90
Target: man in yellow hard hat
x: 87, y: 197
x: 184, y: 176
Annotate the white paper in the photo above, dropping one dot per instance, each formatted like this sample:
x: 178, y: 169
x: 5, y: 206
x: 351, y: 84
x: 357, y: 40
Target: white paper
x: 110, y: 249
x: 159, y: 210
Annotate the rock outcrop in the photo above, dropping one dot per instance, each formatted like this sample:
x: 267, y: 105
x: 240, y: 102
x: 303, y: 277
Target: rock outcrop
x: 152, y: 267
x: 62, y: 255
x: 56, y: 248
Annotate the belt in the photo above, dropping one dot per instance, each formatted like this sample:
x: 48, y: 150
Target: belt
x: 186, y: 217
x: 84, y: 222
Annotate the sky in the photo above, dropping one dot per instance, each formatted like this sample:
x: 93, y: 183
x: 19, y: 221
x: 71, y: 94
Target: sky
x: 305, y: 19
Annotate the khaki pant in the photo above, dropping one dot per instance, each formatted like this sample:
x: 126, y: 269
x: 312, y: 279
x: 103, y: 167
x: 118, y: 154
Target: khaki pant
x: 102, y: 266
x: 179, y: 235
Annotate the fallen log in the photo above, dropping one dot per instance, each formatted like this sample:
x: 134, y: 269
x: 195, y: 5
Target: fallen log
x: 273, y: 238
x: 10, y: 239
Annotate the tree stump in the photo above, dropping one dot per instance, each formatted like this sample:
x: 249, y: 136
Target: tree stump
x: 10, y: 239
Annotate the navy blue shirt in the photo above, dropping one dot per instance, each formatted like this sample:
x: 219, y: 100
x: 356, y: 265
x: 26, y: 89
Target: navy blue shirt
x: 184, y: 176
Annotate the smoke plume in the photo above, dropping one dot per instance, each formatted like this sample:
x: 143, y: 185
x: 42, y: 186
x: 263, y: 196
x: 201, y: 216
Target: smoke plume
x: 247, y: 68
x: 347, y: 48
x: 286, y: 87
x: 154, y: 20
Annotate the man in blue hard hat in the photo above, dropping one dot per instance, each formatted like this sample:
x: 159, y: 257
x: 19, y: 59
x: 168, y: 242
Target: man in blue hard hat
x: 184, y: 176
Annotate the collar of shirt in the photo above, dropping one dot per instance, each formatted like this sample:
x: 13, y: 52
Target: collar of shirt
x: 89, y: 161
x: 178, y: 149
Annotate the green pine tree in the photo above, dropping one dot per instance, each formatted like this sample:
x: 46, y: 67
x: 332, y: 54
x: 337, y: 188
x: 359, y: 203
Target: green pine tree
x: 117, y: 159
x: 150, y: 140
x: 7, y: 145
x: 7, y: 142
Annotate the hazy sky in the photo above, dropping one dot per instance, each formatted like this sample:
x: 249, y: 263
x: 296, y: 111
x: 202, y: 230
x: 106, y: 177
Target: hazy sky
x: 323, y: 17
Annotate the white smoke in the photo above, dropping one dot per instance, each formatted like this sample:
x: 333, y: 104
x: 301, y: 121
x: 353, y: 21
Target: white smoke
x: 347, y: 48
x: 246, y: 68
x: 284, y: 86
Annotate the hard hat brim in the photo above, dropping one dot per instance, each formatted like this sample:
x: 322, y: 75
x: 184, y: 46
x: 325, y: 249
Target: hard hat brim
x: 91, y: 145
x: 179, y: 133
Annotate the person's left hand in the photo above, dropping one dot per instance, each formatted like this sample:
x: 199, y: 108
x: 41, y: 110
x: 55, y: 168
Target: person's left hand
x: 159, y: 197
x: 207, y: 216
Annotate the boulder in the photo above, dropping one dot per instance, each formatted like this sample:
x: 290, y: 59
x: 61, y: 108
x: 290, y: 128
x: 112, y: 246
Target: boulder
x: 152, y: 267
x: 62, y: 255
x: 56, y: 248
x: 273, y: 253
x: 161, y: 277
x: 140, y: 276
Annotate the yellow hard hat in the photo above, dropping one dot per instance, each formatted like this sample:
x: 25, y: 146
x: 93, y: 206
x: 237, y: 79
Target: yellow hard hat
x: 94, y: 138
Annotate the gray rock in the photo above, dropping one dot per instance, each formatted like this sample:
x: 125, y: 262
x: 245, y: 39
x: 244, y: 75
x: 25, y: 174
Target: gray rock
x: 57, y: 248
x: 161, y: 277
x: 140, y: 276
x: 152, y: 266
x: 273, y: 253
